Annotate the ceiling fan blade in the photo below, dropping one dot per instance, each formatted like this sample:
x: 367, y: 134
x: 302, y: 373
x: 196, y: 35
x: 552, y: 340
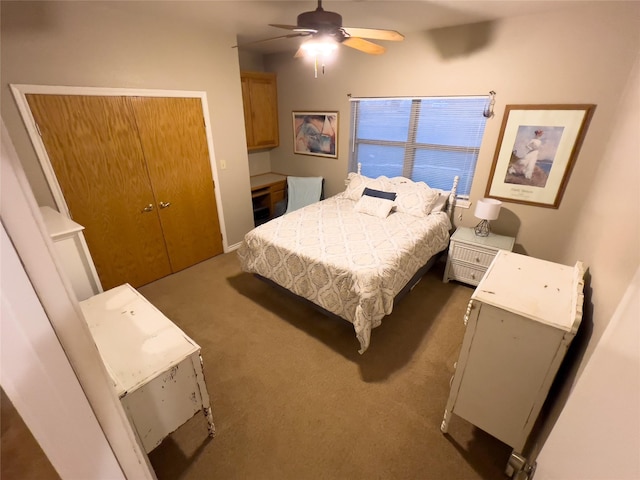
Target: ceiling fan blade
x: 290, y: 35
x: 374, y: 33
x: 364, y: 45
x: 294, y: 27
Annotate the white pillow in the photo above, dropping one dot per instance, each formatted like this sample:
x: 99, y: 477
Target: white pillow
x: 376, y: 206
x: 414, y: 198
x: 357, y: 184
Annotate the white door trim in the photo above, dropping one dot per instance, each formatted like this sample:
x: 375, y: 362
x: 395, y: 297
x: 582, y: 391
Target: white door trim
x: 21, y: 90
x: 77, y: 378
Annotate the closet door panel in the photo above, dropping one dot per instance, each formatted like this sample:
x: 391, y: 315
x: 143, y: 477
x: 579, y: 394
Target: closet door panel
x: 173, y: 138
x: 94, y: 149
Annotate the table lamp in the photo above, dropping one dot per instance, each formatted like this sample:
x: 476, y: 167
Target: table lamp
x: 486, y: 209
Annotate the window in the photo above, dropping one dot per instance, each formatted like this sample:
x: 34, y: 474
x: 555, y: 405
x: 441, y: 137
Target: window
x: 429, y: 139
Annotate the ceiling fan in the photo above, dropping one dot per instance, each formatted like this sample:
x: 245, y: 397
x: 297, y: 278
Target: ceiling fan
x: 325, y: 26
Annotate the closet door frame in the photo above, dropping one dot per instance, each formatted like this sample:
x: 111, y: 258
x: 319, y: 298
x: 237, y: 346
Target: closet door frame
x: 20, y: 91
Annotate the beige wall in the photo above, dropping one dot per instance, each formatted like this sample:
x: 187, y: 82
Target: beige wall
x: 606, y: 232
x: 581, y: 55
x: 104, y: 44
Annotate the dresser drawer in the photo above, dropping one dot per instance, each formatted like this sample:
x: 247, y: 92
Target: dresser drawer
x: 466, y: 273
x: 473, y: 255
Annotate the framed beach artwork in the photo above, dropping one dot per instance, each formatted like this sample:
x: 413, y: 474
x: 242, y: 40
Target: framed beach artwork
x: 536, y: 151
x: 315, y: 133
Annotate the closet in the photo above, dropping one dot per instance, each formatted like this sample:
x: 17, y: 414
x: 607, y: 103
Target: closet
x: 136, y: 173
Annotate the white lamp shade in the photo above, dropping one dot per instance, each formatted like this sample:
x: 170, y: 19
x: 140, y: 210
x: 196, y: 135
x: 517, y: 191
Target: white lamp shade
x: 488, y: 209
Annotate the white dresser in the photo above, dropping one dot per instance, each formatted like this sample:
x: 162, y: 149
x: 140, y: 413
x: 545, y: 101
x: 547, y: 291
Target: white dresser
x: 519, y: 323
x: 155, y: 367
x: 73, y: 252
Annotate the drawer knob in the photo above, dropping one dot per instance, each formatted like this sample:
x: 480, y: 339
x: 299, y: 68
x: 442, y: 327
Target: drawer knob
x: 477, y: 260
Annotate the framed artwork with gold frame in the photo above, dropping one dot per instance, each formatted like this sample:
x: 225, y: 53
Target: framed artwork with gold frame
x: 536, y: 152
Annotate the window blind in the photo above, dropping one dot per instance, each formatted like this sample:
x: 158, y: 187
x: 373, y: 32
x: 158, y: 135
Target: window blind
x: 429, y: 139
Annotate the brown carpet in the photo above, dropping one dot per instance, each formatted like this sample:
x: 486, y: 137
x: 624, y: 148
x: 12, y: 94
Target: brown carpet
x: 21, y: 457
x: 293, y: 399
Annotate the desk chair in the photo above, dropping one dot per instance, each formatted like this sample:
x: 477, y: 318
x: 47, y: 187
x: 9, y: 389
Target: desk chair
x: 301, y: 191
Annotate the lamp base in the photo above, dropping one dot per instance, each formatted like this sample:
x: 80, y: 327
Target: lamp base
x: 482, y: 229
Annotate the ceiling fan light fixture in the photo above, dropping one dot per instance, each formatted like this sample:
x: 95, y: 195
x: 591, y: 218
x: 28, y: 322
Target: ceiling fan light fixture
x: 319, y: 48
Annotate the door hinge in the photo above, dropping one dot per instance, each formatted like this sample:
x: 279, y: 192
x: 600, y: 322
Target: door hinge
x: 38, y: 129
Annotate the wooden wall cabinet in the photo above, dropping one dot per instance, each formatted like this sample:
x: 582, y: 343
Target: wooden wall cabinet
x: 260, y: 100
x: 520, y: 322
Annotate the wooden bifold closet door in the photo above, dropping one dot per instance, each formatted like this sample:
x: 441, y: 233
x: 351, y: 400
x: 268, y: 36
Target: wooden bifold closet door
x: 135, y: 172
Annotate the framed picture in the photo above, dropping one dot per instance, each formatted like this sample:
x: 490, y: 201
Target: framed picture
x: 315, y: 133
x: 536, y: 151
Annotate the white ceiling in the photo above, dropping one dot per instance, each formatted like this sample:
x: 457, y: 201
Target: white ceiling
x: 249, y: 19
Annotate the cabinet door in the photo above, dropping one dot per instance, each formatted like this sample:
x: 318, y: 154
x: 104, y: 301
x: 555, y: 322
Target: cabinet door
x: 96, y: 155
x: 174, y: 142
x: 260, y: 97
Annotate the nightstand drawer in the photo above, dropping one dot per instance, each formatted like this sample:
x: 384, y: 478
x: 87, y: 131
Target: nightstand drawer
x: 473, y: 255
x: 466, y: 273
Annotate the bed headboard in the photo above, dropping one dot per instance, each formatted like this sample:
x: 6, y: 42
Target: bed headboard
x: 452, y: 198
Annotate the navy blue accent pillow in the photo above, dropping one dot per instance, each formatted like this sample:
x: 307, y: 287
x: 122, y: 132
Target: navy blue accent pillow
x: 379, y: 194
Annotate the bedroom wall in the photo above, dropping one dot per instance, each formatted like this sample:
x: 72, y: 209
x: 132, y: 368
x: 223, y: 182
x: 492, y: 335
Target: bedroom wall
x: 581, y: 55
x: 608, y: 444
x: 123, y: 44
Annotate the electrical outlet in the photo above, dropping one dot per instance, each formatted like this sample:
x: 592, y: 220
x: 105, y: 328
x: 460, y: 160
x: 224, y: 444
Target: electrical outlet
x: 223, y: 164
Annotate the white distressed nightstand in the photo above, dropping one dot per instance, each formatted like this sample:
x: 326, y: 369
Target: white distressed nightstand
x: 470, y: 255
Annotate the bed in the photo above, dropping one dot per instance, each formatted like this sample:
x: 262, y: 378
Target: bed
x: 353, y: 254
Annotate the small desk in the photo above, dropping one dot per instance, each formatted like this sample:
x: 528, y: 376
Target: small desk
x: 155, y: 368
x: 267, y: 189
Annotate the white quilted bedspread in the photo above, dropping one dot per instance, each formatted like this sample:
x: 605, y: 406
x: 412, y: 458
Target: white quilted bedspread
x: 351, y: 264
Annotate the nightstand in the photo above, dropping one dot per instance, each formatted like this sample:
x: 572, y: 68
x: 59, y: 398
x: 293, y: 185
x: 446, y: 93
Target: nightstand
x: 470, y: 255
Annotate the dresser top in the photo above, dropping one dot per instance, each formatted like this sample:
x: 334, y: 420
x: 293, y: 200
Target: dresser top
x: 467, y: 235
x: 57, y: 224
x: 544, y: 291
x: 129, y: 331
